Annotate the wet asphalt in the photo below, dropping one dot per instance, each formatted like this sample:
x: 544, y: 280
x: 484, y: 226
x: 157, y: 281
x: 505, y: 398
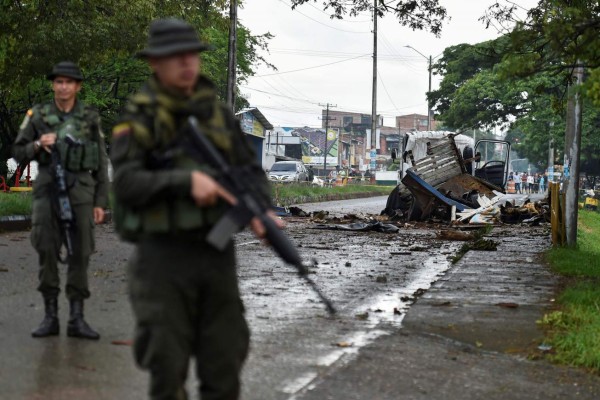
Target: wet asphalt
x: 410, y: 325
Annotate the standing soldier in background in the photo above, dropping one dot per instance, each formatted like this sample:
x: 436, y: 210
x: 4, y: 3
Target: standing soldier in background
x: 45, y: 126
x: 184, y: 292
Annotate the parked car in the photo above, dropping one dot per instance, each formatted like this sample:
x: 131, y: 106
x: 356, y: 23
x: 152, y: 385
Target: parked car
x: 288, y: 171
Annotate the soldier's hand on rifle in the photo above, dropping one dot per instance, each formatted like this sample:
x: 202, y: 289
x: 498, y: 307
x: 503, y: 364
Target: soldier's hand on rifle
x: 98, y: 215
x: 206, y: 191
x: 258, y: 228
x: 46, y: 141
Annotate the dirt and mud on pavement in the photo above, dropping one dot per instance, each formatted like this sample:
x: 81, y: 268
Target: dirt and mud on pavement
x: 410, y: 324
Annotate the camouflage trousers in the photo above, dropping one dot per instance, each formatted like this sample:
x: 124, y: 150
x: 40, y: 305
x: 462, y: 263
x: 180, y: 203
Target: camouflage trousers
x: 46, y: 240
x: 186, y: 302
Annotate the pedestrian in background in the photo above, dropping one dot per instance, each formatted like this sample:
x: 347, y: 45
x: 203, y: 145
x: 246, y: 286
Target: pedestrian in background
x: 524, y: 186
x: 530, y: 183
x: 518, y: 183
x: 45, y: 126
x: 311, y: 173
x: 184, y: 292
x: 542, y: 184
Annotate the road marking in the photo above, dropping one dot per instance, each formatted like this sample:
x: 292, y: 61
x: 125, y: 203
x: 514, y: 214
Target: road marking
x: 248, y: 243
x: 432, y: 268
x: 299, y: 383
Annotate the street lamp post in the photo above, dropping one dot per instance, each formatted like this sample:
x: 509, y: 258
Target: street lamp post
x: 430, y: 61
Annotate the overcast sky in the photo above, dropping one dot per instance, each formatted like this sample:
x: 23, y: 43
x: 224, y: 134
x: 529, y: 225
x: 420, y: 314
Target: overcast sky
x: 320, y: 60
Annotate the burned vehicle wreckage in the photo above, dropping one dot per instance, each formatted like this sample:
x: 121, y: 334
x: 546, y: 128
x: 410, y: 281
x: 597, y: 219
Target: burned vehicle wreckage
x: 445, y: 176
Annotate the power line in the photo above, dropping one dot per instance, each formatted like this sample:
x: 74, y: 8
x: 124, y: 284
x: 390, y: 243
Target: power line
x: 292, y: 87
x: 295, y: 111
x: 386, y: 91
x: 319, y: 22
x: 313, y: 67
x: 275, y: 94
x: 336, y: 54
x: 344, y: 20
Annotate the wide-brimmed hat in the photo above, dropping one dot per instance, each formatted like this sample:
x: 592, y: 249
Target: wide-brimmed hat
x: 171, y: 36
x: 66, y: 68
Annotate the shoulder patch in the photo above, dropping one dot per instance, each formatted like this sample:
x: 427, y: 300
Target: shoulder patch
x: 26, y: 120
x: 121, y: 129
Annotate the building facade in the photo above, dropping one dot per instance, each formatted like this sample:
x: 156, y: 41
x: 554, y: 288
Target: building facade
x: 255, y: 126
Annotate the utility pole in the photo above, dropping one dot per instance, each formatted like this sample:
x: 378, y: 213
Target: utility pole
x: 373, y: 152
x: 429, y: 69
x: 550, y: 153
x: 429, y: 101
x: 232, y: 62
x: 572, y: 157
x: 327, y: 119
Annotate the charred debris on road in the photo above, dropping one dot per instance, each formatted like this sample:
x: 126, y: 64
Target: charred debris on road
x: 438, y: 187
x: 437, y: 191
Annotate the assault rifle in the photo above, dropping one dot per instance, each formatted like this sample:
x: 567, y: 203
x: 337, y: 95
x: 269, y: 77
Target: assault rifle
x: 60, y: 198
x: 248, y: 206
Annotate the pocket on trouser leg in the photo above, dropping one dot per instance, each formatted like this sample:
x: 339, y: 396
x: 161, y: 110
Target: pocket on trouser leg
x: 84, y: 220
x: 45, y: 235
x: 156, y: 350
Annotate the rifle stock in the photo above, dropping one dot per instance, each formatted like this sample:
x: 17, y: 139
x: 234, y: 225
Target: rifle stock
x: 247, y: 208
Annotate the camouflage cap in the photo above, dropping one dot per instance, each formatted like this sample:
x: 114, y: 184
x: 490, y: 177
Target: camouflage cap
x: 171, y: 36
x: 66, y: 68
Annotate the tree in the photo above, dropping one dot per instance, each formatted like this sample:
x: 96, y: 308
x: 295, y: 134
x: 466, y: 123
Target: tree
x: 416, y: 14
x: 476, y: 93
x: 554, y: 37
x: 102, y: 36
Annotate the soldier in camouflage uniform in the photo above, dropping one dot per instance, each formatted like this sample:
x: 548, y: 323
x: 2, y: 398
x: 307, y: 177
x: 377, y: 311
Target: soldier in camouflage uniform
x: 184, y: 293
x: 45, y: 126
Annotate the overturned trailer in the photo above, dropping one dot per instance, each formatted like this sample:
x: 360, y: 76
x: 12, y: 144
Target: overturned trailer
x: 443, y: 178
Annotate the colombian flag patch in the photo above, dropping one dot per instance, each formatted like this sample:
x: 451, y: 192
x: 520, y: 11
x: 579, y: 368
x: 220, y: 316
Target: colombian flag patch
x: 121, y: 129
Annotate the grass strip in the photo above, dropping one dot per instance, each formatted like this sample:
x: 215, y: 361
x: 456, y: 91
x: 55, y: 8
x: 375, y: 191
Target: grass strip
x: 284, y: 195
x: 15, y: 204
x: 573, y: 330
x: 288, y: 194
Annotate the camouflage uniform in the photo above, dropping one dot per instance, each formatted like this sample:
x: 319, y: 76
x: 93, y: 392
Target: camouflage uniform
x: 184, y: 293
x: 87, y: 172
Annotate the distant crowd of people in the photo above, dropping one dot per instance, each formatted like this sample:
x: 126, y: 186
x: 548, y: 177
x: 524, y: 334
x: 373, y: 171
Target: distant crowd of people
x: 529, y: 183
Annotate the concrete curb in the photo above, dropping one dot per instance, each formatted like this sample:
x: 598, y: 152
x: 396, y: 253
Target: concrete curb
x: 14, y: 223
x: 328, y: 197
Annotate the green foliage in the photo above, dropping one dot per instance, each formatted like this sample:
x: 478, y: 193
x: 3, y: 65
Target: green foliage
x: 102, y: 37
x: 288, y: 194
x: 416, y: 14
x: 478, y: 92
x: 574, y: 330
x: 15, y: 204
x: 20, y: 203
x: 583, y: 261
x: 554, y: 37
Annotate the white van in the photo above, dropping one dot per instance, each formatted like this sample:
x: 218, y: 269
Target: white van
x: 288, y: 171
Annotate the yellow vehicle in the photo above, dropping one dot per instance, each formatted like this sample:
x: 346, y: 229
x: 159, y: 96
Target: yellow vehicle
x: 591, y: 199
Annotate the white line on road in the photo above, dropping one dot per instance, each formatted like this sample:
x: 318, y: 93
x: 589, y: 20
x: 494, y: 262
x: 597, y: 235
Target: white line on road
x: 381, y: 310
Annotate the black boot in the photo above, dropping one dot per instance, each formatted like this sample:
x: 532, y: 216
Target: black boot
x: 49, y: 325
x: 77, y: 326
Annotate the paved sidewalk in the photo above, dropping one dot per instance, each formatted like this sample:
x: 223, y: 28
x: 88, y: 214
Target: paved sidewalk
x: 469, y: 335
